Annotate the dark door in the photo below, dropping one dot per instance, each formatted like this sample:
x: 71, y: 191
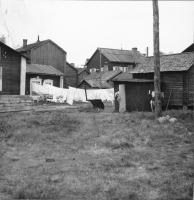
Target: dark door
x: 137, y: 96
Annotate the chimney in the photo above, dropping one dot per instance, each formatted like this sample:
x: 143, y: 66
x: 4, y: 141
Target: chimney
x: 38, y: 39
x: 24, y: 42
x: 134, y: 49
x: 147, y: 52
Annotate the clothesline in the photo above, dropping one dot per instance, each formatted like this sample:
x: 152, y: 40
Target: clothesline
x: 73, y: 94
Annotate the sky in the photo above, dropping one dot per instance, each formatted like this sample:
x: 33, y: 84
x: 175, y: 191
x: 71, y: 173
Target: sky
x: 80, y: 27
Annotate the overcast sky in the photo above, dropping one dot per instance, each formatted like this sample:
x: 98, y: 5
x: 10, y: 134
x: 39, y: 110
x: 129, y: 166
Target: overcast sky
x: 80, y: 27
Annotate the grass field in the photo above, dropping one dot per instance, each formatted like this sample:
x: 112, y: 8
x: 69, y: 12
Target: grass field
x: 80, y: 154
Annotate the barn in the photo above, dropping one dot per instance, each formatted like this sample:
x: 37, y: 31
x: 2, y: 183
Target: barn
x: 45, y: 52
x: 72, y: 75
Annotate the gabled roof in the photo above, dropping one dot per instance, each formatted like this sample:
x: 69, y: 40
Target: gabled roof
x: 80, y: 70
x: 15, y: 51
x: 43, y: 69
x: 173, y: 62
x: 121, y: 56
x: 96, y: 84
x: 71, y: 66
x: 35, y: 45
x: 105, y: 76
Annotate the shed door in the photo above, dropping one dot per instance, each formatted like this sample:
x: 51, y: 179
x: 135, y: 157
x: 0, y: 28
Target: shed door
x: 137, y: 98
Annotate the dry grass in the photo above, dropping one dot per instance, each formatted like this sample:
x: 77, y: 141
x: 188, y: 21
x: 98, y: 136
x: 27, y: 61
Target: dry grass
x: 96, y: 155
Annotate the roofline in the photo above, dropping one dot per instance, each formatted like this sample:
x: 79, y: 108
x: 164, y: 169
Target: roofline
x: 135, y: 80
x: 71, y: 66
x: 43, y: 42
x: 15, y: 51
x: 84, y: 70
x: 171, y: 54
x: 44, y: 74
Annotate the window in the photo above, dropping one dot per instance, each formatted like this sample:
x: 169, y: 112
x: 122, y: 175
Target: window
x: 35, y: 80
x: 115, y: 68
x: 92, y: 70
x: 130, y: 67
x: 1, y: 77
x: 48, y: 81
x: 102, y: 69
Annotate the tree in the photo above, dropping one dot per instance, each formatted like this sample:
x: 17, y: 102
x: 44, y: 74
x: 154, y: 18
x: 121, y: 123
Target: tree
x: 157, y: 90
x: 3, y: 39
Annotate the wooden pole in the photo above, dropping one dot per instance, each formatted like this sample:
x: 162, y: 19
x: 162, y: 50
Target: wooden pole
x: 158, y: 104
x: 100, y: 70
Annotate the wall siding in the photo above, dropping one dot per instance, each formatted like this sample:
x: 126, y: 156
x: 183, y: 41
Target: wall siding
x: 71, y: 79
x: 11, y: 71
x: 95, y: 61
x: 49, y: 54
x: 191, y: 86
x: 169, y: 81
x: 56, y: 80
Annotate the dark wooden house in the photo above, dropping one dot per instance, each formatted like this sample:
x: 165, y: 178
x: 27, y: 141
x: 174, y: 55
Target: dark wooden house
x: 13, y: 80
x: 41, y: 74
x: 177, y: 77
x: 82, y: 74
x: 114, y: 59
x: 45, y: 52
x: 72, y: 75
x: 92, y: 81
x: 12, y: 71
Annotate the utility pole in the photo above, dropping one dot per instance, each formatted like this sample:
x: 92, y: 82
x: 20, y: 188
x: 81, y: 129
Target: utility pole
x: 100, y: 70
x: 158, y: 103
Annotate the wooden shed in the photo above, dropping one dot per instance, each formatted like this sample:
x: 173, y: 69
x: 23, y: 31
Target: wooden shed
x: 45, y: 52
x: 177, y: 77
x: 135, y: 92
x: 71, y: 75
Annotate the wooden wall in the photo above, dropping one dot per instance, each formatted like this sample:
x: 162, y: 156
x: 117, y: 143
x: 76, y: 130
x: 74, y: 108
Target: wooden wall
x: 191, y: 86
x: 95, y: 61
x: 49, y: 54
x: 10, y: 71
x: 72, y: 77
x: 56, y: 80
x: 169, y: 81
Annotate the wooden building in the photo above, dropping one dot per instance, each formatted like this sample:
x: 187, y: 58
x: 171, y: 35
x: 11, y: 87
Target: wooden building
x: 177, y: 77
x: 114, y: 59
x: 12, y: 71
x: 45, y: 52
x: 82, y: 74
x: 92, y: 81
x: 135, y: 92
x: 72, y: 75
x: 13, y: 81
x: 41, y: 74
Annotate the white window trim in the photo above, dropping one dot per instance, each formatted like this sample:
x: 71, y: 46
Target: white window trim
x: 48, y: 81
x: 34, y: 80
